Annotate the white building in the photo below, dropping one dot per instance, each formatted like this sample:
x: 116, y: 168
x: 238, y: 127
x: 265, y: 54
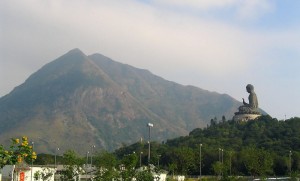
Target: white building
x: 23, y: 172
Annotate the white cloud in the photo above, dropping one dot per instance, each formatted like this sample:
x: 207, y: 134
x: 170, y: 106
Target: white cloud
x: 242, y: 9
x: 129, y: 31
x: 211, y: 53
x: 252, y: 9
x: 199, y: 4
x: 134, y: 32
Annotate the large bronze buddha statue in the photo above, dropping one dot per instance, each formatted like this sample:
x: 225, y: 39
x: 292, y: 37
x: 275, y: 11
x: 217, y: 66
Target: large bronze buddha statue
x: 252, y: 106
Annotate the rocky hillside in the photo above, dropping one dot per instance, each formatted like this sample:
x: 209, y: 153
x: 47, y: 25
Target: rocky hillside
x: 77, y: 101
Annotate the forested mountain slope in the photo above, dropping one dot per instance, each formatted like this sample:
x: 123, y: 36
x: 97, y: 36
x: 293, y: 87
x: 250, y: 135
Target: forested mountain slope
x: 264, y: 146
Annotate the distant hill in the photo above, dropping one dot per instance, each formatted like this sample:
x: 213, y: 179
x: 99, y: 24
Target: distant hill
x: 77, y: 101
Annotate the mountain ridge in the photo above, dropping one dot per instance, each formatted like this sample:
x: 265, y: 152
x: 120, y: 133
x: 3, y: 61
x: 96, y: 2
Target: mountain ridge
x: 98, y: 101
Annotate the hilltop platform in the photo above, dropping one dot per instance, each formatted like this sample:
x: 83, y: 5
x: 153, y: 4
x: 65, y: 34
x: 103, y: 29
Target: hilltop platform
x: 245, y: 117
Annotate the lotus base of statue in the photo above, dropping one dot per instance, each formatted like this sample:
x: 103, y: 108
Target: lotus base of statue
x: 245, y: 117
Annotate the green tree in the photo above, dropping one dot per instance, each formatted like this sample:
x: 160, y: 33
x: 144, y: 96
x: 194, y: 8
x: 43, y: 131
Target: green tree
x: 4, y: 157
x: 184, y: 159
x: 172, y: 167
x: 144, y: 175
x: 17, y: 152
x: 106, y: 164
x: 217, y: 168
x: 72, y: 166
x: 127, y: 166
x: 46, y: 159
x: 257, y: 161
x: 45, y: 174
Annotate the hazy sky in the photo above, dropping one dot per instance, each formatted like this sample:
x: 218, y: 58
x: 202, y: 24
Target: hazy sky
x: 217, y: 45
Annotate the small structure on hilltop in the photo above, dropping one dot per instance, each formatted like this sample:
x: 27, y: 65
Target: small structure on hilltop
x: 248, y: 111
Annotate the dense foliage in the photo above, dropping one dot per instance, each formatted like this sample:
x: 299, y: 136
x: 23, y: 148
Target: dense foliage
x: 105, y: 166
x: 261, y: 147
x: 264, y: 146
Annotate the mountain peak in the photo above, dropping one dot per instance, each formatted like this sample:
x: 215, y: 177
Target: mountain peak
x: 78, y: 99
x: 75, y: 50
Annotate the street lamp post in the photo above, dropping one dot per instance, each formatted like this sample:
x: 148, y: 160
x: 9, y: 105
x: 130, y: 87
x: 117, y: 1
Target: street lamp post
x: 200, y: 164
x: 222, y: 161
x: 221, y: 158
x: 93, y: 147
x: 219, y: 154
x: 87, y: 158
x: 222, y: 155
x: 141, y: 158
x: 31, y: 162
x: 56, y: 150
x: 230, y: 155
x: 290, y: 165
x: 150, y: 125
x: 158, y: 161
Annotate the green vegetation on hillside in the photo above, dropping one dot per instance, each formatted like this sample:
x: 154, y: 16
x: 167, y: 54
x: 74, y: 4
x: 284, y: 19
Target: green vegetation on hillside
x: 260, y: 147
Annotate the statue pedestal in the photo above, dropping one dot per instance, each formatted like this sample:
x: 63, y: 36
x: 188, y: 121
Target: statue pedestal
x: 245, y: 117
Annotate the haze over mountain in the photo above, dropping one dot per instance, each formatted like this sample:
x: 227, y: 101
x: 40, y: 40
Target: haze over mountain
x: 77, y: 101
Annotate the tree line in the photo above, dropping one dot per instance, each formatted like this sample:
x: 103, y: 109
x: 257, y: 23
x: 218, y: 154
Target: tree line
x: 262, y: 147
x: 265, y: 146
